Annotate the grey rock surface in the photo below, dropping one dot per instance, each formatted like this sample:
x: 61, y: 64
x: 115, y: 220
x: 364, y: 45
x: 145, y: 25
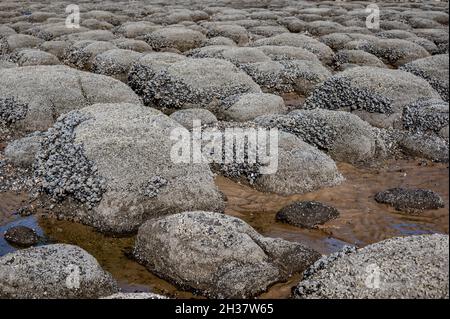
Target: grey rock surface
x: 45, y: 92
x: 217, y: 255
x: 403, y: 267
x: 56, y: 272
x: 110, y: 166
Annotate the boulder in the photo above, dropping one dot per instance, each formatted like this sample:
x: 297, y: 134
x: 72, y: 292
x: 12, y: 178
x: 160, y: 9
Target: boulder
x: 282, y: 52
x: 426, y: 146
x: 18, y: 41
x: 188, y: 116
x: 322, y: 51
x: 110, y: 166
x: 349, y: 58
x: 216, y: 255
x: 182, y: 39
x: 31, y: 98
x: 21, y: 152
x: 53, y: 272
x: 403, y: 267
x: 434, y: 70
x: 57, y: 48
x: 377, y: 95
x: 392, y: 51
x: 177, y: 82
x: 136, y: 29
x: 426, y: 115
x: 30, y: 57
x: 300, y: 76
x: 251, y: 105
x: 7, y: 65
x: 115, y: 63
x: 344, y: 136
x: 237, y: 33
x: 81, y: 54
x: 132, y: 44
x: 301, y: 168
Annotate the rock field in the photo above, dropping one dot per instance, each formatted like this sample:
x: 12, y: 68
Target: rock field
x: 87, y: 116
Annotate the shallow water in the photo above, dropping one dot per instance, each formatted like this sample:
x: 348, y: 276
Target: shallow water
x: 362, y: 221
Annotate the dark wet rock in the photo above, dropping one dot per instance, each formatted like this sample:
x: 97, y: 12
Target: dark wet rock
x: 32, y: 98
x: 54, y: 271
x: 100, y: 167
x: 410, y: 200
x: 434, y: 70
x: 217, y: 255
x: 21, y: 236
x: 402, y: 267
x: 307, y: 214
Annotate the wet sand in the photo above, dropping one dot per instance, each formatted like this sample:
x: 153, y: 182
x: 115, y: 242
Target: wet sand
x: 362, y: 221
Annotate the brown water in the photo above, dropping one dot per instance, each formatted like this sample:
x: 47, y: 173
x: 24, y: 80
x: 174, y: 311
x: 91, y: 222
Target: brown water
x: 362, y: 221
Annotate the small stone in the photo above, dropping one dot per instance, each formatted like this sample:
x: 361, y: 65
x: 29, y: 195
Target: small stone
x: 412, y: 201
x: 307, y: 214
x: 21, y: 236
